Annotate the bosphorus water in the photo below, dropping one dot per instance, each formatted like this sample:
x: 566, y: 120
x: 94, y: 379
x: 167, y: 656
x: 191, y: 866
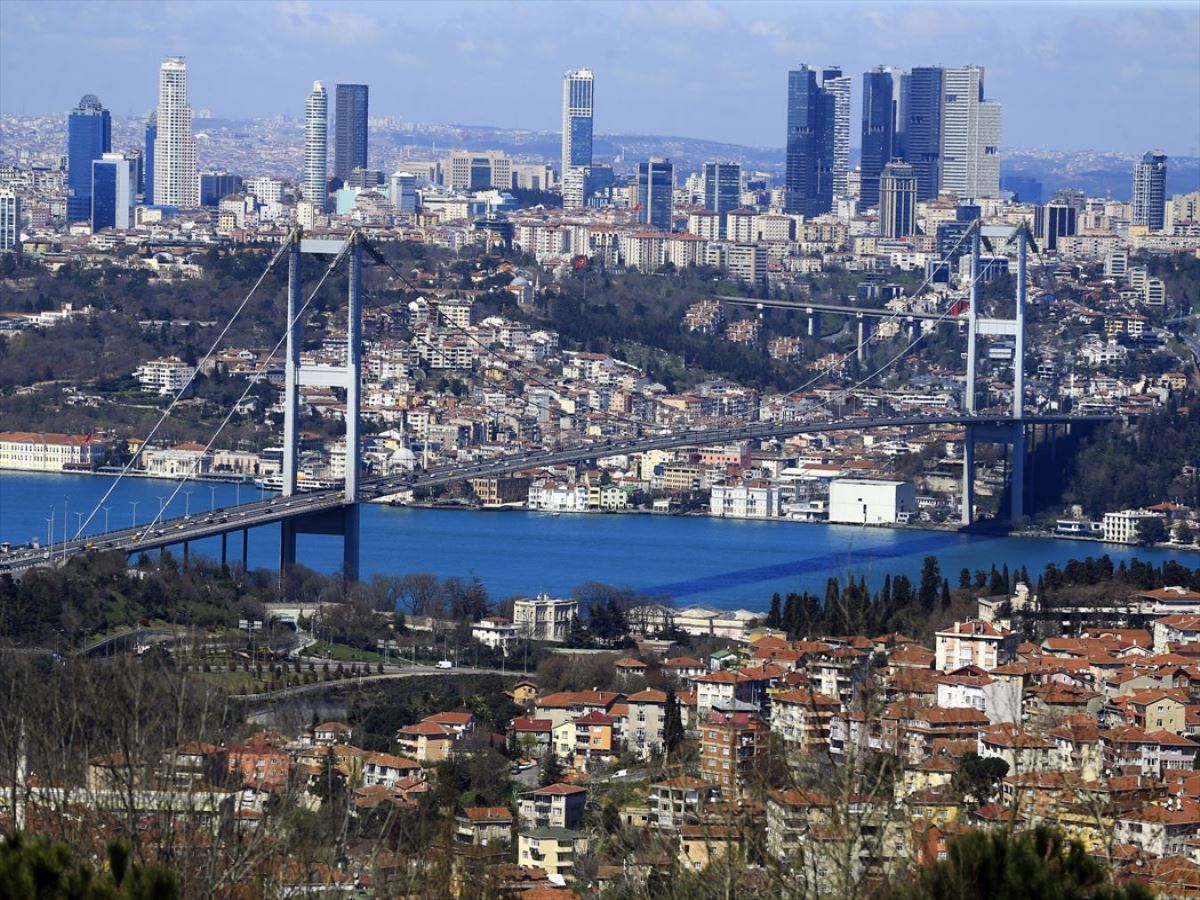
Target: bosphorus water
x: 722, y: 563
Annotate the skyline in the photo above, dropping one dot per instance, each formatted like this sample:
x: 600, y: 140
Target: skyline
x: 1053, y: 95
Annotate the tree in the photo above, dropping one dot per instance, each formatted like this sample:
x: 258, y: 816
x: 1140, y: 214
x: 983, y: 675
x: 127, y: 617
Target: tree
x: 38, y: 867
x: 672, y: 724
x: 997, y: 865
x: 775, y: 616
x: 977, y: 777
x: 1151, y: 530
x: 551, y: 769
x: 931, y: 581
x: 964, y: 578
x: 945, y: 593
x: 1183, y: 534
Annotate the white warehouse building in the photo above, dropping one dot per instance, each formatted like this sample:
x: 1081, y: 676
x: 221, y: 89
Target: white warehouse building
x: 860, y: 501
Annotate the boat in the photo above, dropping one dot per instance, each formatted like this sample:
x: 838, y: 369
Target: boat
x: 304, y: 483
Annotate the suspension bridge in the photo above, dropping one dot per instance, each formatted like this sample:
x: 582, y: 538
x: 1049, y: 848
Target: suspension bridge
x: 335, y: 511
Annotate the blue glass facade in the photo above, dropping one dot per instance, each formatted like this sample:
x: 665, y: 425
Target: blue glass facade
x: 581, y: 141
x: 923, y: 128
x: 810, y: 119
x: 104, y: 195
x: 878, y: 132
x: 89, y: 136
x: 148, y: 160
x: 350, y: 129
x: 656, y: 180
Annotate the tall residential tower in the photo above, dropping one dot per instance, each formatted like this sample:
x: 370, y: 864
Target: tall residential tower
x: 1150, y: 190
x: 837, y: 86
x: 578, y: 87
x: 350, y: 129
x: 316, y: 146
x: 174, y: 145
x: 89, y: 137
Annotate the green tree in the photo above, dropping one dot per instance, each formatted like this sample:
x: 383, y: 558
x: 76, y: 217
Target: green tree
x: 997, y: 865
x: 977, y: 777
x: 1151, y: 530
x: 552, y: 771
x: 931, y: 581
x: 672, y: 724
x: 39, y: 867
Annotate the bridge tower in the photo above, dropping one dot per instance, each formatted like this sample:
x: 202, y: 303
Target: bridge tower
x: 343, y: 521
x: 982, y: 326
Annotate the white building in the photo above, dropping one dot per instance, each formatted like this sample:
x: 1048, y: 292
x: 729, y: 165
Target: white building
x: 1122, y: 527
x: 543, y: 618
x: 165, y: 376
x: 557, y: 496
x: 175, y: 181
x: 403, y: 192
x: 495, y: 633
x: 750, y: 499
x: 10, y: 222
x: 970, y: 136
x: 973, y: 643
x: 37, y: 452
x: 316, y: 146
x: 860, y: 501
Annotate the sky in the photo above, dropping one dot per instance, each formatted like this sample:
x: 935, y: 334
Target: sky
x: 1099, y: 75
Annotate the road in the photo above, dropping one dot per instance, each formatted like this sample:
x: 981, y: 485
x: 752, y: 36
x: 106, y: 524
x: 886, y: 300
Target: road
x: 169, y: 532
x: 837, y: 309
x: 398, y: 672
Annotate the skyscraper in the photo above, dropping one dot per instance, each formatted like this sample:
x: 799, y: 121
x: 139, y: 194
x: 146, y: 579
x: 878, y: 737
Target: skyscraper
x: 656, y: 181
x: 316, y: 146
x: 878, y: 131
x: 970, y: 136
x: 215, y: 185
x: 350, y: 129
x: 810, y: 137
x: 1150, y: 190
x: 722, y: 189
x: 897, y: 201
x: 10, y: 222
x: 922, y: 138
x: 577, y: 108
x: 89, y: 137
x: 174, y: 145
x: 1053, y: 221
x: 838, y: 86
x: 404, y: 192
x: 148, y: 160
x: 114, y: 189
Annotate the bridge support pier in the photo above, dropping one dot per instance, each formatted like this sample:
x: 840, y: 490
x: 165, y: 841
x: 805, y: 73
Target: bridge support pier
x: 812, y: 325
x: 185, y: 554
x: 287, y: 543
x: 1017, y: 480
x: 245, y: 549
x: 968, y: 475
x: 224, y: 549
x: 861, y: 351
x: 350, y: 543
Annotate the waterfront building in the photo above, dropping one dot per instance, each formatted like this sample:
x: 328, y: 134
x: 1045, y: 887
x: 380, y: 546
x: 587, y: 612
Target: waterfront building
x: 113, y: 192
x: 1121, y: 527
x: 174, y: 144
x: 1149, y: 190
x: 970, y: 144
x: 350, y: 129
x: 755, y: 498
x: 89, y: 137
x: 655, y: 184
x: 544, y: 618
x: 879, y: 103
x: 860, y: 501
x: 46, y: 452
x: 722, y: 190
x: 316, y: 147
x: 897, y: 201
x: 577, y: 112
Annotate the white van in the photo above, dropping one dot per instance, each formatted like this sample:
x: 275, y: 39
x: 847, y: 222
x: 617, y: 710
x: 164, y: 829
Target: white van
x: 445, y: 664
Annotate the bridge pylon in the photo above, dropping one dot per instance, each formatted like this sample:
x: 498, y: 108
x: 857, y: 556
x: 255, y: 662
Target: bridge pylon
x: 343, y: 521
x: 985, y: 326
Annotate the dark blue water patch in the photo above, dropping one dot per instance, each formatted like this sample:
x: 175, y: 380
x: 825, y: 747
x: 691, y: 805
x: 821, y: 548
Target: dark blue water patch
x: 824, y: 562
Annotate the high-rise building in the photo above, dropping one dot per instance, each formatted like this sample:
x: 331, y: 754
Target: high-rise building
x: 464, y: 170
x: 879, y: 108
x: 404, y: 192
x: 147, y: 186
x: 316, y: 146
x: 722, y: 189
x: 10, y: 222
x: 577, y: 109
x: 970, y: 136
x: 838, y: 86
x: 215, y: 185
x: 897, y: 201
x: 808, y: 179
x: 1053, y: 221
x: 174, y: 143
x: 655, y: 184
x: 922, y: 138
x: 114, y: 192
x: 1149, y: 190
x: 350, y: 129
x: 89, y: 137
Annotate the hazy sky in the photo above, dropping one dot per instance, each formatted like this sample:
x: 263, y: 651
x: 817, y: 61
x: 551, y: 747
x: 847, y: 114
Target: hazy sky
x: 1098, y: 75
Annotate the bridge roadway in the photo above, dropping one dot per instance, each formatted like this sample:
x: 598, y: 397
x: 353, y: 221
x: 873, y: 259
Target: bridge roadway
x: 228, y: 519
x: 838, y: 309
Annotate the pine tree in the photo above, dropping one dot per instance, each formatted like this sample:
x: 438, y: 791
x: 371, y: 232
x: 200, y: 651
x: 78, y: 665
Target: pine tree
x: 672, y: 724
x: 964, y: 578
x: 930, y: 582
x: 775, y: 616
x: 945, y: 593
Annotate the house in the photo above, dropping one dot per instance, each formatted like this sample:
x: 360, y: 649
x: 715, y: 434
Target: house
x: 974, y: 643
x: 331, y: 733
x: 628, y: 668
x: 587, y: 737
x: 644, y: 728
x: 531, y: 736
x: 679, y: 801
x: 682, y: 668
x: 1170, y: 631
x: 426, y: 741
x: 1024, y: 751
x: 1161, y: 829
x: 386, y: 770
x: 460, y: 723
x: 702, y: 845
x: 553, y: 806
x: 482, y: 826
x: 258, y: 765
x: 802, y: 718
x: 556, y: 850
x: 496, y: 633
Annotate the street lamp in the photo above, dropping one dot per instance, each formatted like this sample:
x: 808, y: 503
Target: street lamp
x: 187, y: 503
x: 134, y: 504
x: 106, y: 509
x: 212, y: 490
x: 78, y: 524
x: 162, y: 504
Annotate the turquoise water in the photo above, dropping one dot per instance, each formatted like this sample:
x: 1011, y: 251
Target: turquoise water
x: 718, y: 562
